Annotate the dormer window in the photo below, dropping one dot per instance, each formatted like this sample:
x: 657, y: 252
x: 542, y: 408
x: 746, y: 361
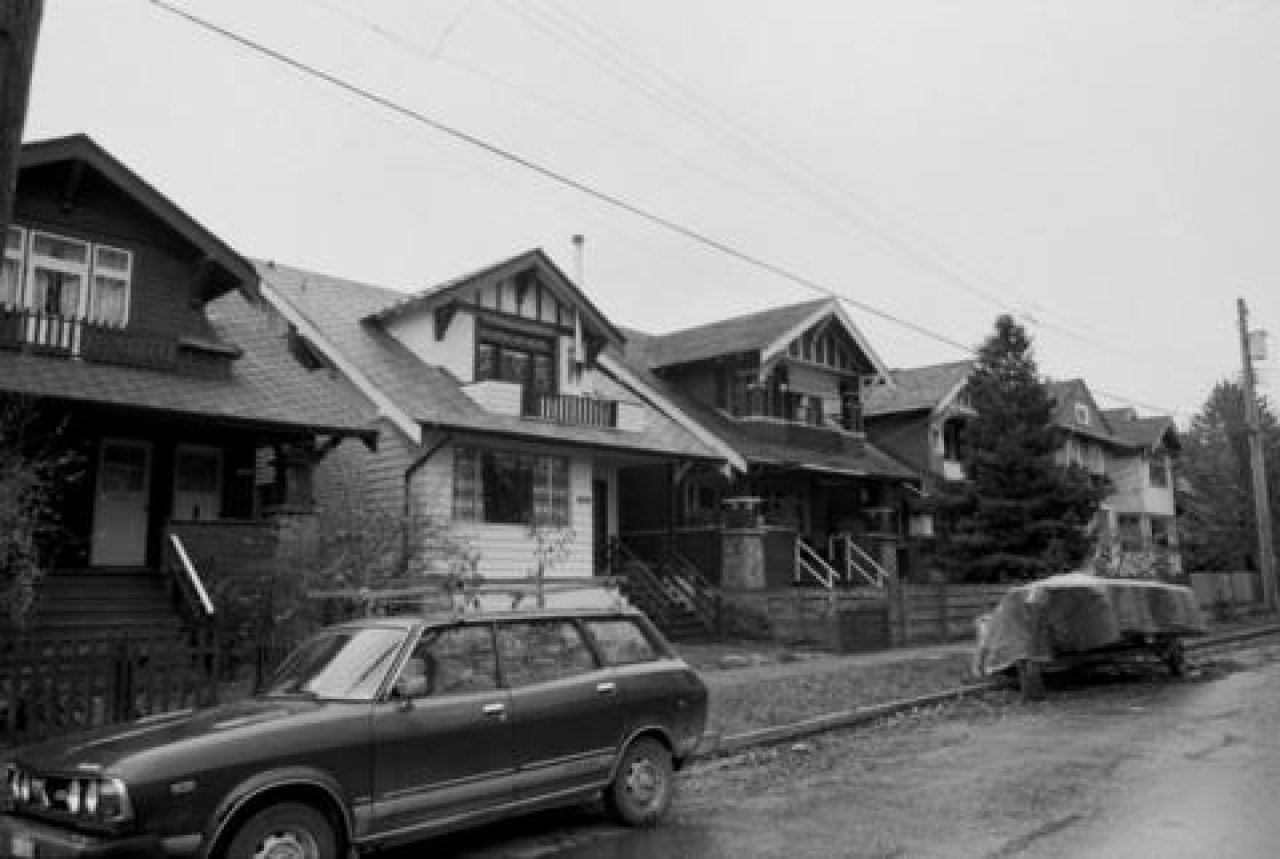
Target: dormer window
x: 58, y: 277
x: 510, y: 356
x: 1082, y: 414
x: 65, y: 277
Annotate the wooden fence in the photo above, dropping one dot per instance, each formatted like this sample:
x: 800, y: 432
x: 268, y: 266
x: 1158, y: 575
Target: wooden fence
x: 51, y: 685
x: 933, y: 613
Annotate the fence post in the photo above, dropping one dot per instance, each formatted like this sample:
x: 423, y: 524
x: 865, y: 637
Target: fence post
x: 943, y: 628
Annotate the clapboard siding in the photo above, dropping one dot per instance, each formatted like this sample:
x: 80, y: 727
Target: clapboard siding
x: 506, y: 550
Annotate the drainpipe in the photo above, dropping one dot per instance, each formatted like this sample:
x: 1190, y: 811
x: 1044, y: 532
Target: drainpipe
x: 414, y: 468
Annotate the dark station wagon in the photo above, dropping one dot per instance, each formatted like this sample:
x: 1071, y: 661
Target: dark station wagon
x: 376, y: 733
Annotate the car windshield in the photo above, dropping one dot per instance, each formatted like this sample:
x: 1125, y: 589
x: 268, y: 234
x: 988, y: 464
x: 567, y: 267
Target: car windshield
x: 345, y: 664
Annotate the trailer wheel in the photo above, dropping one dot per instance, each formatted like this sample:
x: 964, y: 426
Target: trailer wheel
x: 1030, y: 680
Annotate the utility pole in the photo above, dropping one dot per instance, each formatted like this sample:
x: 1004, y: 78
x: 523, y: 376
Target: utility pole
x: 1257, y: 467
x: 19, y: 24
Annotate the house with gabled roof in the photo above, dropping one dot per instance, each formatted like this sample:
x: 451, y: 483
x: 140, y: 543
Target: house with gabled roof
x: 782, y: 392
x: 137, y: 339
x: 1137, y: 527
x: 504, y: 421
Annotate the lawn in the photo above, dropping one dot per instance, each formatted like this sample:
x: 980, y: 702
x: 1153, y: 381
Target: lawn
x: 743, y: 700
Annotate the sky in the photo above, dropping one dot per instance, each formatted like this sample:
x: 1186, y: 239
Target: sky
x: 1107, y: 171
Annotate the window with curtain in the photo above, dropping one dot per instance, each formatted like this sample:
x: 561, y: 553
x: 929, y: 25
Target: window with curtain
x: 508, y: 487
x: 67, y: 277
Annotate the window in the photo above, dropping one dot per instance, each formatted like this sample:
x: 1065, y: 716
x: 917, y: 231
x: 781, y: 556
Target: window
x: 1159, y: 470
x: 1129, y: 531
x: 11, y: 269
x: 109, y: 298
x: 542, y: 650
x: 68, y: 277
x: 451, y: 661
x: 506, y: 487
x: 58, y: 279
x: 510, y: 356
x: 1082, y: 414
x: 621, y: 642
x: 1161, y: 532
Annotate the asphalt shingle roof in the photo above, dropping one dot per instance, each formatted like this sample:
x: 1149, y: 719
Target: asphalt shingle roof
x: 729, y: 336
x: 915, y: 389
x: 431, y: 395
x: 267, y: 386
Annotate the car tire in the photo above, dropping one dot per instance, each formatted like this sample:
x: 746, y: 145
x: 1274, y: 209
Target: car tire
x: 1175, y: 657
x: 289, y: 824
x: 642, y: 790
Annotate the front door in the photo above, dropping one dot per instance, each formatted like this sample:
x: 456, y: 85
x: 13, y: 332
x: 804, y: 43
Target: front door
x: 197, y: 483
x: 121, y: 504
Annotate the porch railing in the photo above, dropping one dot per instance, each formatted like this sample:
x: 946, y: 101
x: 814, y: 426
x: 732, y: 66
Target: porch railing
x: 570, y: 409
x: 75, y: 337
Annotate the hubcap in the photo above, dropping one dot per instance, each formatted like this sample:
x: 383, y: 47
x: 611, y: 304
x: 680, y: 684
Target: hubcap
x: 287, y: 845
x: 643, y: 782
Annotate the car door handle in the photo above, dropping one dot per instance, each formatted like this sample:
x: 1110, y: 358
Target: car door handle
x: 607, y: 688
x: 496, y: 710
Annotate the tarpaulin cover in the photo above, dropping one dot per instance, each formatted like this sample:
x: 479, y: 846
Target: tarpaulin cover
x: 1078, y: 612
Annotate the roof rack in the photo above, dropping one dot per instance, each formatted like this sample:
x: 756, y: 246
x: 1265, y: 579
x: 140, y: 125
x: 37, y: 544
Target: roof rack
x: 466, y: 595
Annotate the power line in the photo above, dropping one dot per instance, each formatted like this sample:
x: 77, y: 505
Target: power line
x: 555, y: 176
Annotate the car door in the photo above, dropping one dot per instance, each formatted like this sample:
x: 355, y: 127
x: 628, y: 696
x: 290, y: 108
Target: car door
x: 442, y: 736
x: 566, y: 716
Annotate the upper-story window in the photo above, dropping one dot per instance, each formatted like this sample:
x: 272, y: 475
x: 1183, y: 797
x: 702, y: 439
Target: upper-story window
x: 510, y: 356
x: 1082, y: 414
x: 60, y: 276
x: 1159, y: 470
x: 15, y: 244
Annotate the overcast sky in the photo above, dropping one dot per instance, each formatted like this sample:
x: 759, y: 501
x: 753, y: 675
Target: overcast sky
x: 1109, y: 171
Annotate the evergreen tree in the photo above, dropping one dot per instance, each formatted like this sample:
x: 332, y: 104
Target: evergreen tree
x: 1218, y: 528
x: 1019, y: 515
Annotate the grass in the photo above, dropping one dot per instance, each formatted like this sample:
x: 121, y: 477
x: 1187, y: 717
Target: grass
x: 762, y: 703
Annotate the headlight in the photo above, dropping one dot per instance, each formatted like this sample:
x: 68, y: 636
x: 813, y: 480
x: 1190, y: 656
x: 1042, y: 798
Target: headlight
x: 113, y: 801
x: 91, y: 798
x: 74, y: 792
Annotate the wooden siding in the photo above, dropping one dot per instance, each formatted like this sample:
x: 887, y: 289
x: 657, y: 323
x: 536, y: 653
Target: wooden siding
x: 507, y: 550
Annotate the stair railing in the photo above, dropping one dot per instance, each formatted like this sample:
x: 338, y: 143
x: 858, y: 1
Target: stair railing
x: 856, y: 560
x: 184, y: 573
x: 810, y: 565
x: 702, y: 596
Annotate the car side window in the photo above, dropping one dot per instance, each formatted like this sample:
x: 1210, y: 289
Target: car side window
x: 450, y: 661
x: 538, y: 651
x: 621, y: 642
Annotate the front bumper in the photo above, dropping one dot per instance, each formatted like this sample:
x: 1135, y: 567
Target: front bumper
x: 24, y: 838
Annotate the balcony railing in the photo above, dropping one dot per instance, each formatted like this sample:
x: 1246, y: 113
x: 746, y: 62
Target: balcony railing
x: 73, y: 337
x: 570, y: 409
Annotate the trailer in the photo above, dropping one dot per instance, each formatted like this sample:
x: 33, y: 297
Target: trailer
x: 1076, y: 619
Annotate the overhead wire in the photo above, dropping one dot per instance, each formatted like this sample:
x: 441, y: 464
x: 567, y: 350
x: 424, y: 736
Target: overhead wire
x: 555, y: 176
x: 708, y: 117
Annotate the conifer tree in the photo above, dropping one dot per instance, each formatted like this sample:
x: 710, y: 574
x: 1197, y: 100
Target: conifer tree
x: 1217, y: 529
x: 1019, y: 515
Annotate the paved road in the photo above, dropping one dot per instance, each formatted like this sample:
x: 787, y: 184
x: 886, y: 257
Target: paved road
x: 1127, y: 764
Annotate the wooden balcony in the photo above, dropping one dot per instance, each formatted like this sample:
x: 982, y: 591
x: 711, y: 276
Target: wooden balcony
x: 570, y: 409
x: 72, y: 337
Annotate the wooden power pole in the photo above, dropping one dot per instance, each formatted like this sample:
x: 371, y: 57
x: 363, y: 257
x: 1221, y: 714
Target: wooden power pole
x: 19, y: 25
x: 1257, y: 467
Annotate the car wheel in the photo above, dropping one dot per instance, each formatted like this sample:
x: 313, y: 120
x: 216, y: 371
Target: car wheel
x: 642, y: 789
x: 1175, y: 657
x: 289, y: 830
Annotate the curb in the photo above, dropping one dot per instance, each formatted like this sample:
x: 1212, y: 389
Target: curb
x: 713, y: 745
